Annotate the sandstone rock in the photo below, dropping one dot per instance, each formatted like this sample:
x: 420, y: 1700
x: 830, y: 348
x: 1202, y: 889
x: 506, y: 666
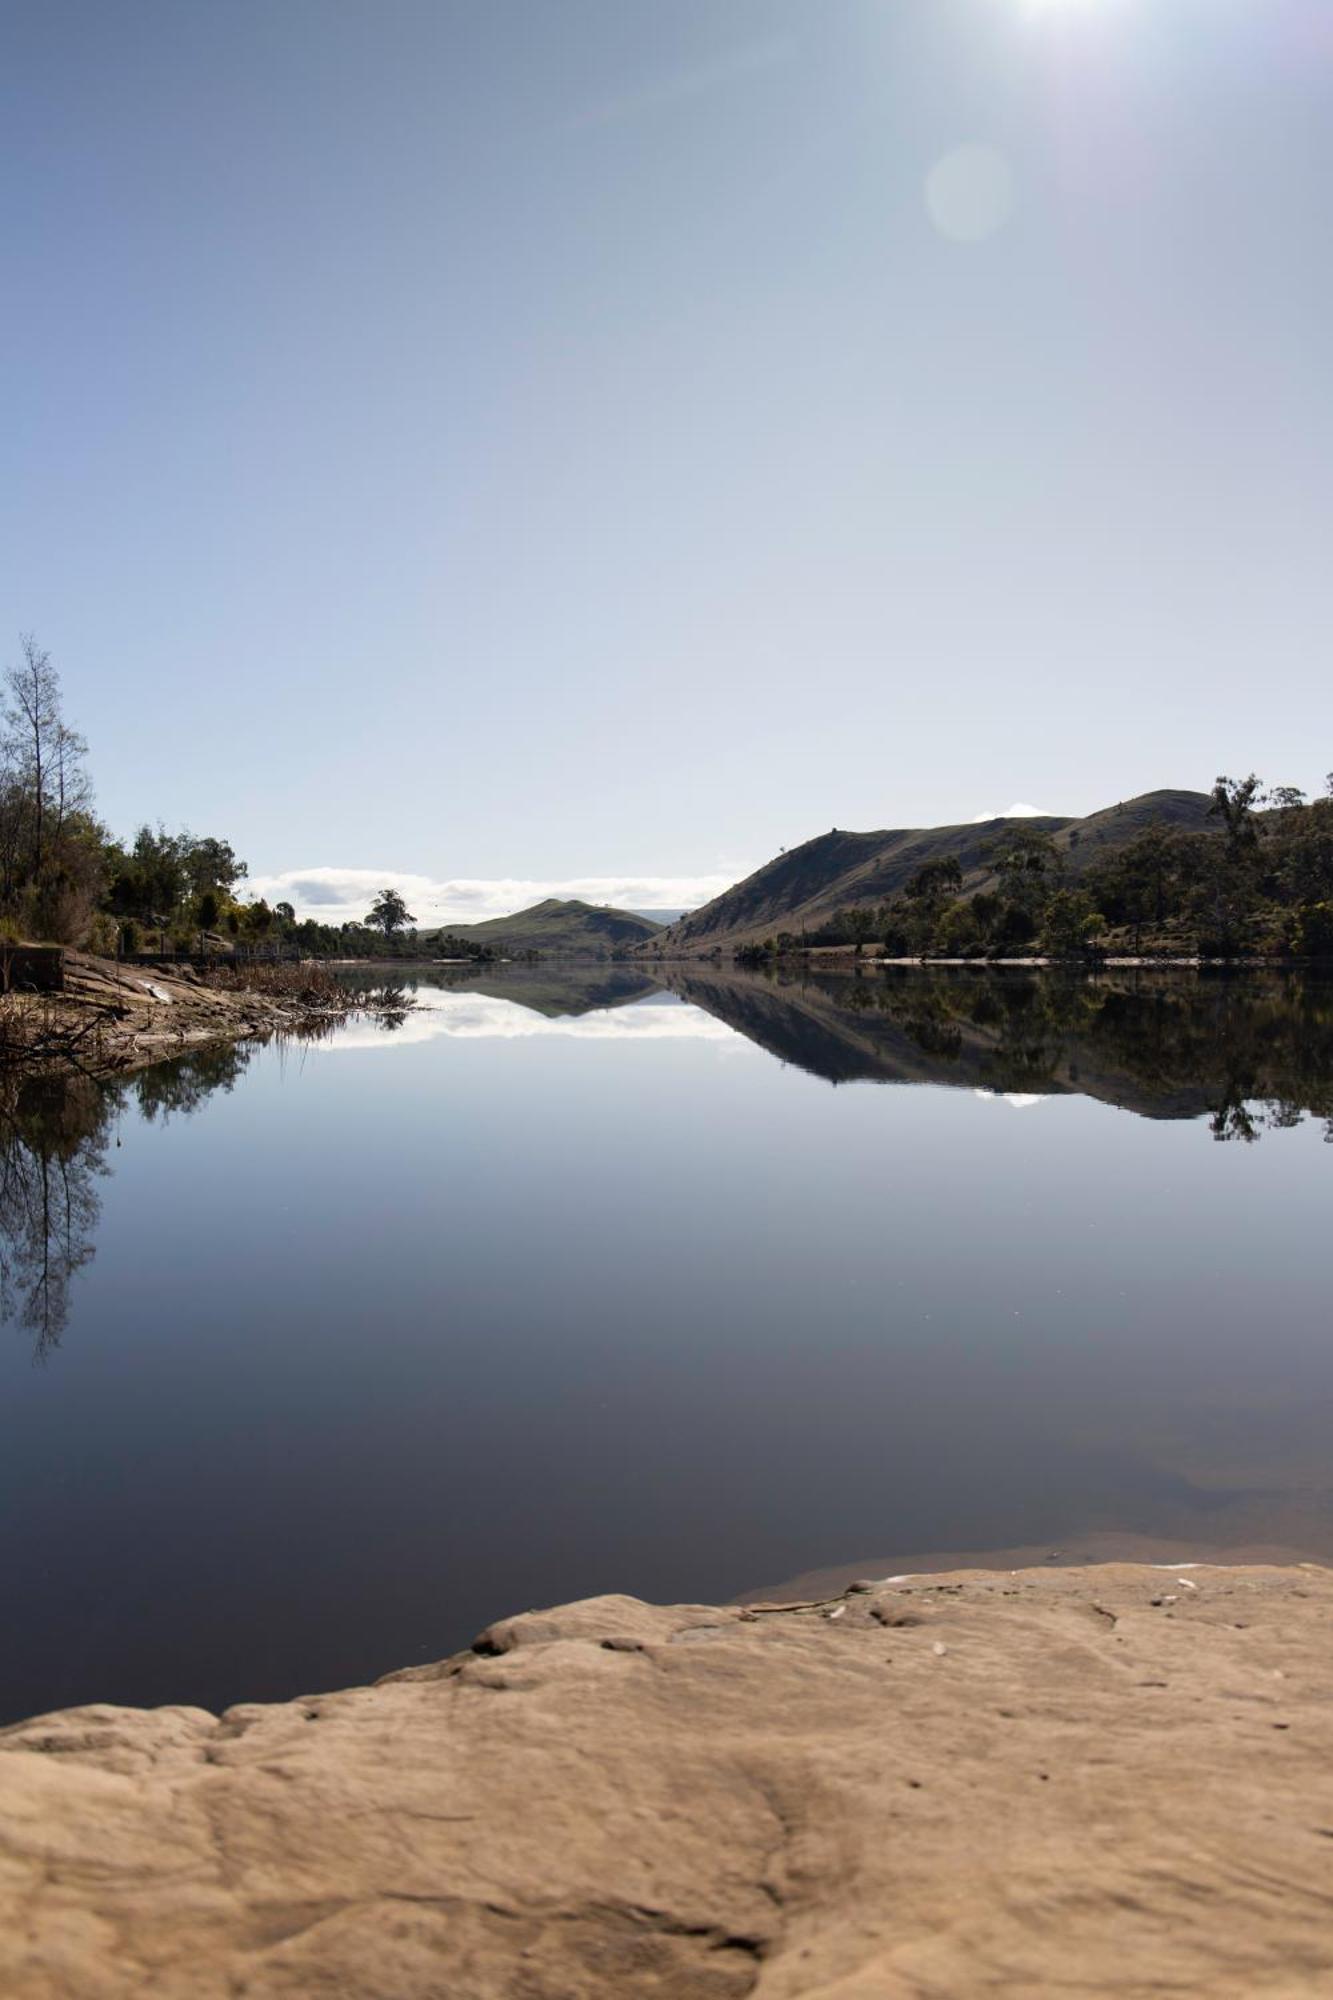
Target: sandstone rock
x: 1086, y: 1795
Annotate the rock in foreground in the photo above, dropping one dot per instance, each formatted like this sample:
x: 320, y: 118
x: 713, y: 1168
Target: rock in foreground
x: 1115, y: 1780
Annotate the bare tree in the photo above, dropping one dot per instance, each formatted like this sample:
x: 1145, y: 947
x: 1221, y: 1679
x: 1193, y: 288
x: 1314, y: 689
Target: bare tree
x: 44, y: 755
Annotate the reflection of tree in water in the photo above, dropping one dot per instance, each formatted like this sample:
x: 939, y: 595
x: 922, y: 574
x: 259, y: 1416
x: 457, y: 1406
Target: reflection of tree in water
x: 54, y: 1135
x: 53, y: 1139
x: 1259, y: 1047
x: 180, y: 1087
x: 1250, y: 1053
x: 389, y: 1004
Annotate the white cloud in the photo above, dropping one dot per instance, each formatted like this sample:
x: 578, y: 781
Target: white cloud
x: 470, y: 1016
x: 1016, y: 811
x: 335, y: 895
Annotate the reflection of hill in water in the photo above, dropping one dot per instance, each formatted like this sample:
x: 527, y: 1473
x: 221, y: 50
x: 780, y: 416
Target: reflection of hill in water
x: 556, y: 992
x: 1165, y: 1045
x: 1246, y: 1052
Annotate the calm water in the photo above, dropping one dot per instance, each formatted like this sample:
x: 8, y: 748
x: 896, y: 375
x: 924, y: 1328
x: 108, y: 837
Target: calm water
x: 317, y: 1359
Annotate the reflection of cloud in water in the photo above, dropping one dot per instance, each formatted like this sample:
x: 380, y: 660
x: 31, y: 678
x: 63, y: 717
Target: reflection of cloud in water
x: 1022, y: 1100
x: 485, y: 1017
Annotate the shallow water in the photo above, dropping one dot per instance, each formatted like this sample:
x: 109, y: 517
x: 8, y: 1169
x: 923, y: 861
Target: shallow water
x: 317, y: 1358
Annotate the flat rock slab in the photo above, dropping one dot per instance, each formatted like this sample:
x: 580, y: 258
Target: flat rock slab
x: 1114, y: 1780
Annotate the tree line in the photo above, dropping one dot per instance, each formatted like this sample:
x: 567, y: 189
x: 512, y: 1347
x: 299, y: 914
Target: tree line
x: 66, y: 879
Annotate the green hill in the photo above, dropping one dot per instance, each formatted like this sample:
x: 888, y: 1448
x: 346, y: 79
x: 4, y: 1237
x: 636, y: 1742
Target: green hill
x: 564, y: 928
x: 802, y: 888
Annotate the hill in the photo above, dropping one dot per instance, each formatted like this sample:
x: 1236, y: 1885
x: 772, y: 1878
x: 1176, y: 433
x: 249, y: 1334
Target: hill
x: 566, y: 928
x: 803, y: 887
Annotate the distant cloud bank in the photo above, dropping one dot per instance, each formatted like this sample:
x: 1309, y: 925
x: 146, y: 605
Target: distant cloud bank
x: 337, y: 895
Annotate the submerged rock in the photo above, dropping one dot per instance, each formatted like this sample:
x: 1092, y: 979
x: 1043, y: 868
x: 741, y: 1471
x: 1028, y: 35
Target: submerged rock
x: 619, y: 1799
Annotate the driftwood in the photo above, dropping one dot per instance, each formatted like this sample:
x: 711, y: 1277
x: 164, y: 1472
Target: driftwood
x: 35, y: 1034
x: 109, y: 1017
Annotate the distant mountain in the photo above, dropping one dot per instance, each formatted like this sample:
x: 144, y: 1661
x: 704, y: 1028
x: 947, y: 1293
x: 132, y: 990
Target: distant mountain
x: 566, y: 928
x: 802, y: 887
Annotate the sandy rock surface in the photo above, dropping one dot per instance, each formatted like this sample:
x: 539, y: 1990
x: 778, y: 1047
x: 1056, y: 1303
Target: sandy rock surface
x: 1116, y: 1780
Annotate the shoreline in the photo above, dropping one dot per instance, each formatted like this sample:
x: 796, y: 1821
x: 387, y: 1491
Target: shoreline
x: 841, y: 956
x: 106, y: 1017
x: 110, y: 1019
x: 1100, y: 1548
x: 926, y: 1784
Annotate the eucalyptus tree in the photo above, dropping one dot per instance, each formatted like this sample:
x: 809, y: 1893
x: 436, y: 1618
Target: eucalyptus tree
x: 389, y: 913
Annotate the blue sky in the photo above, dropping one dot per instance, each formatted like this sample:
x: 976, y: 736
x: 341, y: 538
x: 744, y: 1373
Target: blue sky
x: 534, y: 442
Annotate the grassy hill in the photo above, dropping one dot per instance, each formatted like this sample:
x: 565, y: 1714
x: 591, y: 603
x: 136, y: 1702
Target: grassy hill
x: 803, y: 887
x: 565, y: 928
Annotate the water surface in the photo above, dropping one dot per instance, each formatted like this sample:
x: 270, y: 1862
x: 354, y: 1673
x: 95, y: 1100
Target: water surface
x: 317, y: 1358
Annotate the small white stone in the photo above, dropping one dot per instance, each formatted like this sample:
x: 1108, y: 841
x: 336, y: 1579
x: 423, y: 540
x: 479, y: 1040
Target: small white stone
x: 938, y: 1650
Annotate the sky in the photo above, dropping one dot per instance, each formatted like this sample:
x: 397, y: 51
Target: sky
x: 499, y: 445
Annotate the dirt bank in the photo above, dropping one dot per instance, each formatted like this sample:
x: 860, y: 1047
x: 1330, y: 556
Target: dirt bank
x: 1111, y: 1780
x: 108, y: 1017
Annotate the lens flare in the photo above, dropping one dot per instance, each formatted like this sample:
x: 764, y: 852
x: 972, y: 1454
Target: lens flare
x: 970, y: 193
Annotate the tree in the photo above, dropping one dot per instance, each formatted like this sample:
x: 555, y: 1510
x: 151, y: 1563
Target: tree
x: 389, y: 913
x: 34, y: 726
x: 211, y: 864
x: 957, y: 932
x: 1233, y: 802
x: 1070, y: 924
x: 50, y: 846
x: 860, y: 928
x: 935, y: 879
x: 1026, y: 860
x: 150, y: 880
x: 163, y: 876
x: 1299, y: 855
x: 1312, y: 930
x: 1134, y: 885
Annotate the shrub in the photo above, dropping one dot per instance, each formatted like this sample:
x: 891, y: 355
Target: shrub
x: 1311, y: 932
x: 103, y: 932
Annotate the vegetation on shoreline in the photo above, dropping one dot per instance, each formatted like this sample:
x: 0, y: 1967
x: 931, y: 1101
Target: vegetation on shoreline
x: 65, y: 879
x: 106, y: 1019
x: 1250, y: 874
x: 1257, y: 882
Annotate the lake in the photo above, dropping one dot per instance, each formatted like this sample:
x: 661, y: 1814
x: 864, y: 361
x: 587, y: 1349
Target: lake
x: 318, y: 1357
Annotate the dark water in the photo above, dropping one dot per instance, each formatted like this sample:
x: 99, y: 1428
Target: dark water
x: 316, y: 1359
